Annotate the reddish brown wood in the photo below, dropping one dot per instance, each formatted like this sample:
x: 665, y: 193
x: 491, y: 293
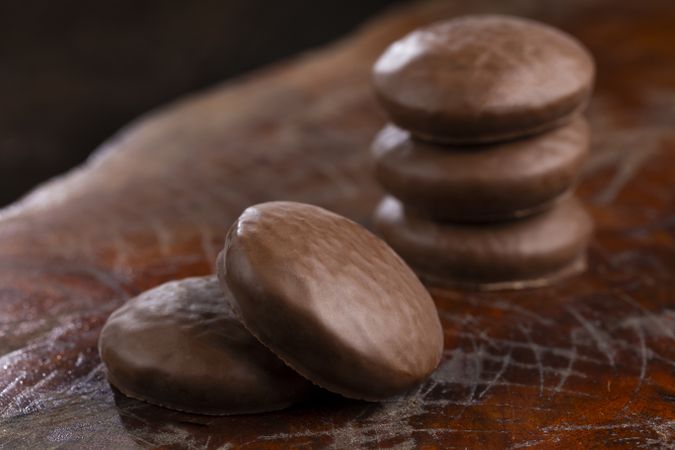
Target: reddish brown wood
x: 587, y: 363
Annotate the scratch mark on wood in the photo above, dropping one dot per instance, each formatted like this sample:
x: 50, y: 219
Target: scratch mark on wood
x: 643, y: 363
x: 544, y: 368
x: 476, y: 371
x: 544, y: 349
x: 658, y: 324
x: 568, y: 370
x: 602, y: 341
x: 629, y: 166
x: 493, y: 382
x: 504, y: 305
x: 93, y: 373
x: 627, y: 149
x: 537, y: 357
x: 6, y: 394
x: 527, y: 444
x: 588, y: 427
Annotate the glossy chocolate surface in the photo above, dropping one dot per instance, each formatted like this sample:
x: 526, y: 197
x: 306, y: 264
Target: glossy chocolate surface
x: 331, y: 299
x: 586, y: 362
x: 517, y: 253
x: 480, y: 183
x: 181, y: 346
x: 483, y: 78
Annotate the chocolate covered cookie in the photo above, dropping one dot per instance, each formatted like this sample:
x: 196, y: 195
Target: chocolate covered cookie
x: 480, y: 183
x: 483, y: 78
x: 520, y: 253
x: 180, y: 346
x: 331, y: 299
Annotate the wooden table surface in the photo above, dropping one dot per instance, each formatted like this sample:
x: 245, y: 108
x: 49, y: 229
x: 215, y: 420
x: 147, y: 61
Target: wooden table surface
x: 588, y: 363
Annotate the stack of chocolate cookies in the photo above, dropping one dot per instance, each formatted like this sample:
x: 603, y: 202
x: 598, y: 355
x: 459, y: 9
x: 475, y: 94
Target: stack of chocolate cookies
x: 485, y: 146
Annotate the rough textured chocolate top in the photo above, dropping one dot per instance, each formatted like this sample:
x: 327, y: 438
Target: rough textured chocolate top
x: 485, y: 183
x: 483, y: 78
x: 524, y: 252
x: 331, y: 299
x: 180, y: 346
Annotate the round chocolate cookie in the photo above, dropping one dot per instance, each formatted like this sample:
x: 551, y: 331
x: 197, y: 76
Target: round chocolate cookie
x: 483, y: 79
x: 480, y: 184
x: 181, y: 346
x: 331, y: 299
x: 506, y: 255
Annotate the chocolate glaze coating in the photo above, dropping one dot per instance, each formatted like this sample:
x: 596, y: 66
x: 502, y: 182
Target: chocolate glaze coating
x: 181, y: 346
x: 483, y: 78
x: 331, y: 299
x: 479, y: 184
x: 514, y: 254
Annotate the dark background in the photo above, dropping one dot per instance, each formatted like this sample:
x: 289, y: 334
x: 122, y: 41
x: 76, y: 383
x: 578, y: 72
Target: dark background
x: 72, y: 72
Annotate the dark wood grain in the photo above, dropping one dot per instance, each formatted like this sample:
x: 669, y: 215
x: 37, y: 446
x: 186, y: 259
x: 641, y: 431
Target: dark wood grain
x: 588, y: 363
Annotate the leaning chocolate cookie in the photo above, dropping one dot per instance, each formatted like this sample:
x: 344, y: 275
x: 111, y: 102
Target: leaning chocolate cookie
x: 521, y: 253
x: 483, y: 79
x: 181, y: 346
x: 481, y: 183
x: 331, y: 299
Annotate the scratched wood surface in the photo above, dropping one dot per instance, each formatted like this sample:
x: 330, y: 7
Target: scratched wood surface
x: 588, y: 363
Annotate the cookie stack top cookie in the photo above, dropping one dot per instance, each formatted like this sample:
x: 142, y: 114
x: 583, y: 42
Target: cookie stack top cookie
x: 480, y: 79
